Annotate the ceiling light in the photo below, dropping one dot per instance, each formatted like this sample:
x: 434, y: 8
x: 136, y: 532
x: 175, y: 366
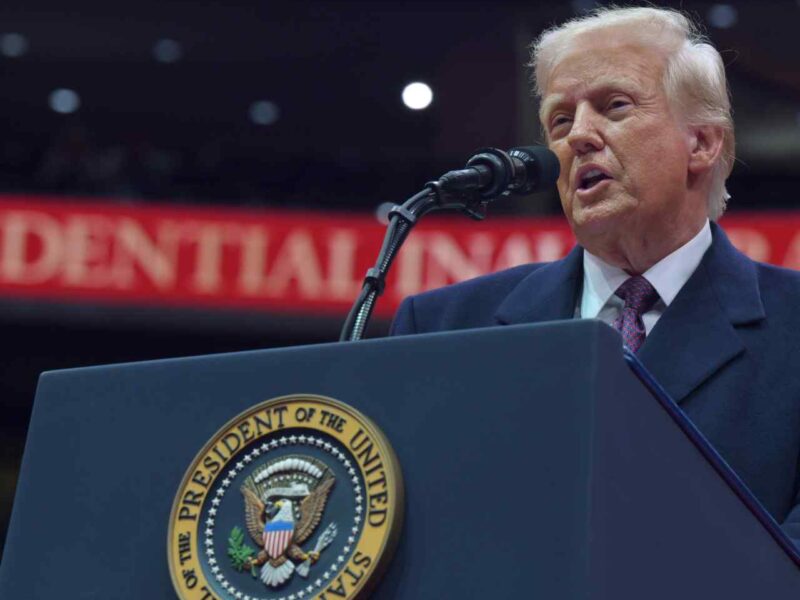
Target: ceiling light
x: 264, y: 112
x: 417, y: 95
x: 64, y: 101
x: 167, y: 51
x: 13, y: 45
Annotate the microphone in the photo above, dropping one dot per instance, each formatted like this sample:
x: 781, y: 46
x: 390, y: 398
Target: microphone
x: 489, y: 174
x: 494, y: 172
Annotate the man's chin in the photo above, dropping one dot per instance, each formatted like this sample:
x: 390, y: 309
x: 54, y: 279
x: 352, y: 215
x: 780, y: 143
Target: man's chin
x: 600, y: 220
x: 599, y: 215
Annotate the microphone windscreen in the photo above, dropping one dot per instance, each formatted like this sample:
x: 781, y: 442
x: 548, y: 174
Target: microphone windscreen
x: 541, y: 162
x: 548, y: 167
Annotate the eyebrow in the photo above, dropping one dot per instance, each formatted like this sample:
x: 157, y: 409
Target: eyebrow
x: 603, y: 84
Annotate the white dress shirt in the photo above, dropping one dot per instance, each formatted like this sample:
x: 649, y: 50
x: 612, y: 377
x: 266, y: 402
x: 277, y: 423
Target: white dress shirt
x: 667, y: 276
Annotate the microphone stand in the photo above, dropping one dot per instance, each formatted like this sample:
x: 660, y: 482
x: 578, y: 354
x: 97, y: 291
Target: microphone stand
x: 489, y: 174
x: 402, y: 219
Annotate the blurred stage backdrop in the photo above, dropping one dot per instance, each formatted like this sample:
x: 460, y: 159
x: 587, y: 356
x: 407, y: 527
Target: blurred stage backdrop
x: 187, y: 178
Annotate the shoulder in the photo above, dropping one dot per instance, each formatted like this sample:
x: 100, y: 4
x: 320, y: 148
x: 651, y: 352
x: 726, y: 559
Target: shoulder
x: 778, y: 282
x: 464, y: 305
x: 767, y: 291
x: 777, y: 275
x: 728, y: 261
x: 746, y: 287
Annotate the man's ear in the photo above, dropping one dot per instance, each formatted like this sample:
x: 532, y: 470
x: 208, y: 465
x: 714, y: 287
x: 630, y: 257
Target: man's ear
x: 705, y: 147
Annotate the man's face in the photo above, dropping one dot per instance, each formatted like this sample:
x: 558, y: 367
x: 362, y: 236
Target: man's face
x: 623, y: 152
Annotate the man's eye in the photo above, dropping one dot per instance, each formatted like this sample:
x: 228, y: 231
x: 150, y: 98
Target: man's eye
x: 559, y: 120
x: 618, y: 103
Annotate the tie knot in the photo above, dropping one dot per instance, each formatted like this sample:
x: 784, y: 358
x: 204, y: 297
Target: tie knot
x: 638, y: 294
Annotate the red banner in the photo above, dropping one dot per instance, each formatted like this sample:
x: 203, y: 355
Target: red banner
x: 278, y: 261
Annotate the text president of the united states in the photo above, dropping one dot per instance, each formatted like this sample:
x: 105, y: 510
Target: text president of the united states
x: 634, y: 102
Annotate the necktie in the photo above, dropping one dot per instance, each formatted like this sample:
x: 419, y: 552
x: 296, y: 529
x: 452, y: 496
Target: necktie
x: 639, y: 297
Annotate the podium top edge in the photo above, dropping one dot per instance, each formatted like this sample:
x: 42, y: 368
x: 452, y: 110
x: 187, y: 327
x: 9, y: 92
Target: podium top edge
x: 589, y: 327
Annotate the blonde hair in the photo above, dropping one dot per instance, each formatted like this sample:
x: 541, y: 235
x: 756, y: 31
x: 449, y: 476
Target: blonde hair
x: 694, y: 77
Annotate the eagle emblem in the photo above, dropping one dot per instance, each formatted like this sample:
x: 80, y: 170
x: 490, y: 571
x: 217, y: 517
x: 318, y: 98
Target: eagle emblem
x: 284, y: 501
x: 297, y: 497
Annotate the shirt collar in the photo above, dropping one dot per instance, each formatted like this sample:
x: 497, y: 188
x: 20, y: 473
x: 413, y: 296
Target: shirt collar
x: 667, y: 276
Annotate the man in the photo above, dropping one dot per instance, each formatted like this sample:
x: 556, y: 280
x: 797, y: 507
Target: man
x: 635, y: 105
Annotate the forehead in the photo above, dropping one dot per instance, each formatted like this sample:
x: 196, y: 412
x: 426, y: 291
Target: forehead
x: 595, y: 64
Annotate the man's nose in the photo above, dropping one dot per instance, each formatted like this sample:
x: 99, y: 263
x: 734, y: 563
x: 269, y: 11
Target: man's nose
x: 584, y: 136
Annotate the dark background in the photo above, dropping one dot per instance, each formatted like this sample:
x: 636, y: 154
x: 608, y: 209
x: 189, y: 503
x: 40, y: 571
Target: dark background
x: 181, y: 132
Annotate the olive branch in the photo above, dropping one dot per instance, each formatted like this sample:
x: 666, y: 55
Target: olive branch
x: 239, y: 552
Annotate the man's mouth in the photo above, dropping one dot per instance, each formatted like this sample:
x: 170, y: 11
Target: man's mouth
x: 591, y: 178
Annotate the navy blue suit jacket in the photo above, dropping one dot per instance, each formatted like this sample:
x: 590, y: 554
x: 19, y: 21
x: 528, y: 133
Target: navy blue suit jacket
x: 724, y: 350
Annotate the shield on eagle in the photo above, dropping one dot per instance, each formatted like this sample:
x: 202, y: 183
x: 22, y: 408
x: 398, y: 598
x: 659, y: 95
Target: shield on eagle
x: 277, y: 537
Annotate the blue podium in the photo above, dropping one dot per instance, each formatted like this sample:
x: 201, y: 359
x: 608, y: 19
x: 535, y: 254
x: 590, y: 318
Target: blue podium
x: 536, y: 465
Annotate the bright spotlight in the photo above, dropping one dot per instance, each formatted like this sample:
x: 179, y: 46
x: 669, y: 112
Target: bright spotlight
x: 722, y: 16
x: 167, y: 51
x: 417, y: 95
x: 13, y: 45
x: 64, y: 101
x: 264, y: 112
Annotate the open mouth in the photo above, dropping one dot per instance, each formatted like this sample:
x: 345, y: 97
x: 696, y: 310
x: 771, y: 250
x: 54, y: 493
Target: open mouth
x: 591, y: 179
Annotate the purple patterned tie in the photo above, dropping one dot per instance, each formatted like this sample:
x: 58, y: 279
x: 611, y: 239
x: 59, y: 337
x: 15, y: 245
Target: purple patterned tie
x: 639, y: 297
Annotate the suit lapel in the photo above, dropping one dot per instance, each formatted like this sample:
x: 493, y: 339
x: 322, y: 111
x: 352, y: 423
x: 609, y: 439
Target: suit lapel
x: 696, y: 336
x: 548, y: 294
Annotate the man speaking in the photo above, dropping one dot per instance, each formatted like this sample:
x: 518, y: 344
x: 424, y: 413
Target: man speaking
x: 634, y: 102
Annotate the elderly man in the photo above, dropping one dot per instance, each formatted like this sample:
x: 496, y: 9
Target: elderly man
x: 635, y: 105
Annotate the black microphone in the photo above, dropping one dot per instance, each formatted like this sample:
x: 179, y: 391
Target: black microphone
x: 489, y: 174
x: 494, y: 172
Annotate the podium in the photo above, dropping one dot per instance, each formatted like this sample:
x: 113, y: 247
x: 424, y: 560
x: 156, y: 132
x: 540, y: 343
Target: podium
x: 536, y: 465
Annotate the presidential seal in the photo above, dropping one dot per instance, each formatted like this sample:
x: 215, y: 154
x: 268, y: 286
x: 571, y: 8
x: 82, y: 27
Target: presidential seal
x: 299, y: 497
